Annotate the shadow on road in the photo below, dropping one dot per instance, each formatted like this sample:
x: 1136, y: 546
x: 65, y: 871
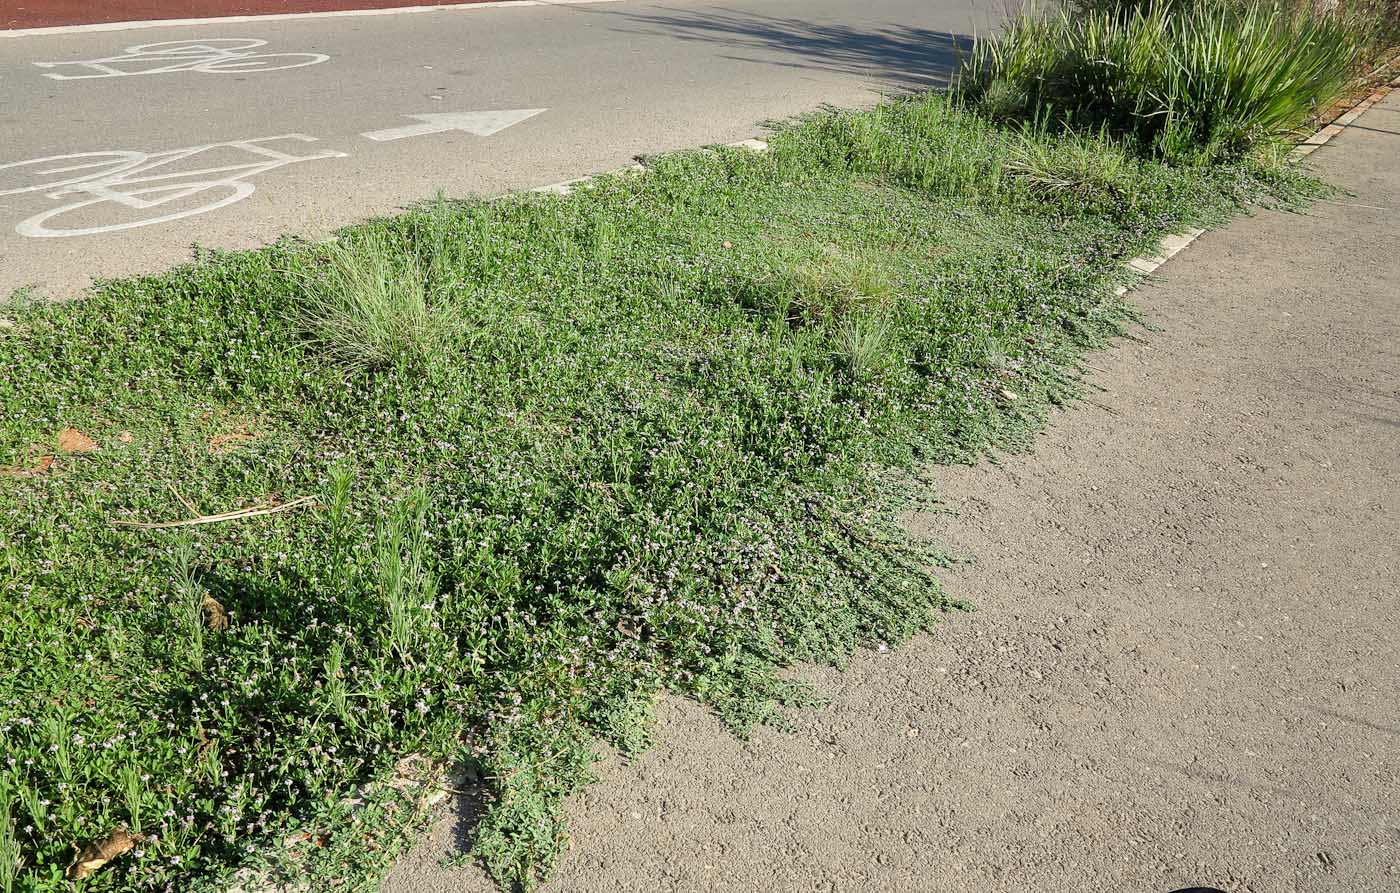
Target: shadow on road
x: 911, y: 58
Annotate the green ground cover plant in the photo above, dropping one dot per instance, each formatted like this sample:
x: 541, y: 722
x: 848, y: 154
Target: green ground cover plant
x: 522, y: 465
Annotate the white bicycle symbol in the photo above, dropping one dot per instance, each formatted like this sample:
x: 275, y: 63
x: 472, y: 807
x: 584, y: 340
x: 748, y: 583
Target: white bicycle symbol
x: 219, y: 56
x: 102, y: 177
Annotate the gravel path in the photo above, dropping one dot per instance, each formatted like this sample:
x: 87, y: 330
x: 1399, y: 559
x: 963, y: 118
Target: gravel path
x: 1184, y: 669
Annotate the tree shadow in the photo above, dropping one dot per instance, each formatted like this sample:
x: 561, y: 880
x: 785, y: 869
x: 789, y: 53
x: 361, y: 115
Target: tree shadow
x: 905, y: 57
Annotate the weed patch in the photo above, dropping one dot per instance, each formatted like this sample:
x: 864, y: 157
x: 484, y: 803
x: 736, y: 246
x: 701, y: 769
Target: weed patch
x: 556, y: 454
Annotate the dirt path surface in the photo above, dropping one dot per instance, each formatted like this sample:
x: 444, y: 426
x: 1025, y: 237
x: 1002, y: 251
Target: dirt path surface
x: 48, y: 13
x: 1184, y: 669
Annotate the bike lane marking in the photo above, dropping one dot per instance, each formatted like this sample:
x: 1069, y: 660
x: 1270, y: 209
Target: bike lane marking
x: 228, y: 55
x: 142, y: 181
x: 346, y: 10
x: 154, y: 190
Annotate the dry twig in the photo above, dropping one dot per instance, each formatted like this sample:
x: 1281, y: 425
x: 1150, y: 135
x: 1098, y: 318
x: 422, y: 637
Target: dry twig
x: 238, y: 515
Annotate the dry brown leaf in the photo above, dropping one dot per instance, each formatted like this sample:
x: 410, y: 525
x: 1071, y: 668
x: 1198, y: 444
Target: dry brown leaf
x: 71, y: 440
x: 99, y: 852
x: 295, y: 838
x: 214, y: 614
x: 40, y: 465
x: 126, y: 437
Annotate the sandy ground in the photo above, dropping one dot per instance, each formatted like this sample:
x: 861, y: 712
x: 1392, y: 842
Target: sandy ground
x: 1184, y: 669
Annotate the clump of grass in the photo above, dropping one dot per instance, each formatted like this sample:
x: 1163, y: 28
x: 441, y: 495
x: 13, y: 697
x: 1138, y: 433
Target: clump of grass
x: 132, y: 789
x: 406, y: 584
x: 1079, y: 168
x: 188, y: 609
x: 1189, y: 81
x: 930, y: 146
x: 863, y: 343
x: 832, y: 287
x: 369, y: 304
x: 1375, y: 23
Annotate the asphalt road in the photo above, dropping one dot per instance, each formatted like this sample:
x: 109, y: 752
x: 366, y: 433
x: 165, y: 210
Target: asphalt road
x: 614, y: 80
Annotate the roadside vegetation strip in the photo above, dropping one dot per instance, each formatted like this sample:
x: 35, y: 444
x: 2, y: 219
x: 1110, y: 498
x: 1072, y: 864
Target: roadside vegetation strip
x: 558, y: 453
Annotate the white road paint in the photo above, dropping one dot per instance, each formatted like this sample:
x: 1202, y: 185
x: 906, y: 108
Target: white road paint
x: 232, y: 20
x: 227, y: 55
x: 107, y: 178
x: 479, y: 123
x: 149, y: 184
x: 106, y: 164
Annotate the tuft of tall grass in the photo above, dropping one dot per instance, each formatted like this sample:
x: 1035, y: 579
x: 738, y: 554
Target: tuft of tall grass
x: 369, y: 305
x: 189, y: 611
x: 1190, y: 81
x: 919, y: 141
x: 863, y: 343
x: 1078, y: 168
x: 836, y: 285
x: 132, y: 788
x: 941, y: 147
x: 406, y: 583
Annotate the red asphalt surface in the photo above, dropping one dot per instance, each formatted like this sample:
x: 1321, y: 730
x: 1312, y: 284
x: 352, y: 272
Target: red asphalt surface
x: 45, y: 13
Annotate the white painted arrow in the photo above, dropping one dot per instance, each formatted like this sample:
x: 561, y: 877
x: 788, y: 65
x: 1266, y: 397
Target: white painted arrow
x: 479, y: 123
